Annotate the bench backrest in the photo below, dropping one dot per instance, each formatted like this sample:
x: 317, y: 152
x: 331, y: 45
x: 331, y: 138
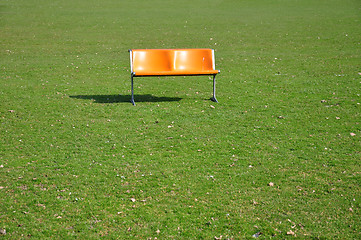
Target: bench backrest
x: 186, y: 61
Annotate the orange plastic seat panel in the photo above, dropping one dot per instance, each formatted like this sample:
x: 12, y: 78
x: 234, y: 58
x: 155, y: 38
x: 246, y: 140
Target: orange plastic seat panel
x: 195, y: 60
x: 169, y: 62
x: 148, y: 61
x: 175, y: 73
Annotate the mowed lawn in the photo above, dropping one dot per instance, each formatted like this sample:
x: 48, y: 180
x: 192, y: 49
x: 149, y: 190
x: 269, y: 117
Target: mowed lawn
x: 278, y: 157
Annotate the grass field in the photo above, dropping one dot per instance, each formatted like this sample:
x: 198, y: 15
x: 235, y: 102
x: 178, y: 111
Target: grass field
x: 277, y: 157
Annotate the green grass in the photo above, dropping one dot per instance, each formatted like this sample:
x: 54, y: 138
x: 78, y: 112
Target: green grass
x: 77, y: 160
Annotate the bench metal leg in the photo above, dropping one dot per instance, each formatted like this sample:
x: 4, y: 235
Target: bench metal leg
x: 132, y: 98
x: 214, y: 99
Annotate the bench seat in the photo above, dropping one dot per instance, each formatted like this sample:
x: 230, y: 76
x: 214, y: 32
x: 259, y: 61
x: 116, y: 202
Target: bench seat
x: 174, y: 73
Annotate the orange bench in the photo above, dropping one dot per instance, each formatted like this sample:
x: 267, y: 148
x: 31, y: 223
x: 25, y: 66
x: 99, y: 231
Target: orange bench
x: 172, y: 62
